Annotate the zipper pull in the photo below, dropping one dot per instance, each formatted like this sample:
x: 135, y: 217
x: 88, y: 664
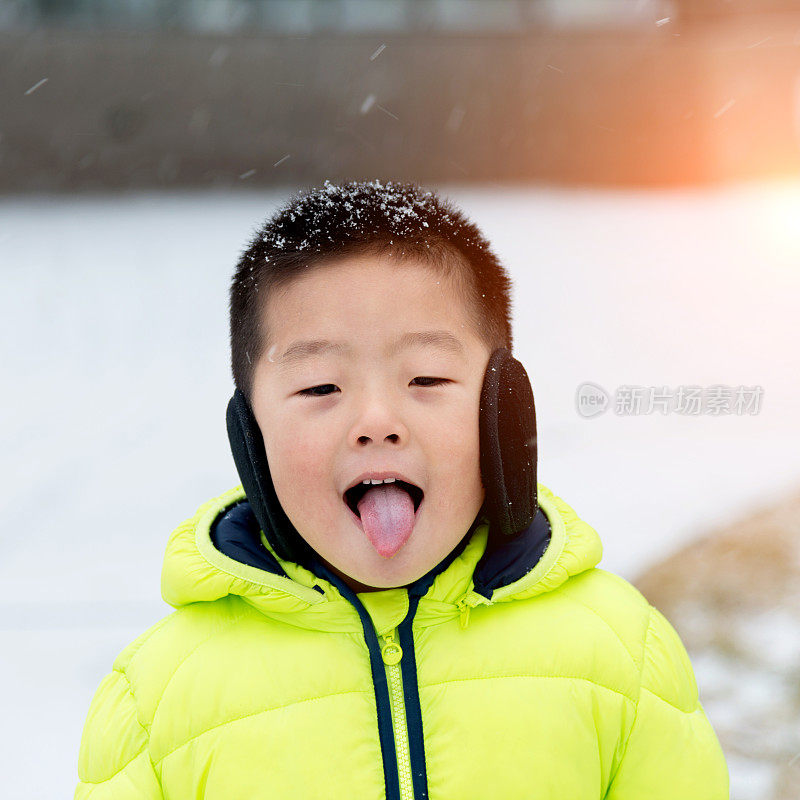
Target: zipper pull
x: 391, y: 652
x: 464, y: 616
x: 468, y: 601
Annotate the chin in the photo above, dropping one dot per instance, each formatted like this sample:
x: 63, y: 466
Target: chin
x: 383, y: 574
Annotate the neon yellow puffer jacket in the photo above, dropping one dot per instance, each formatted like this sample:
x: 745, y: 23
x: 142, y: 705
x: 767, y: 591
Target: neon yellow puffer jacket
x: 565, y: 684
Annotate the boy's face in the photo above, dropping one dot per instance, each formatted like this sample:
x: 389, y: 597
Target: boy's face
x: 372, y: 410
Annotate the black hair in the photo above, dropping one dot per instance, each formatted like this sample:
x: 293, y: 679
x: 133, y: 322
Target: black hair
x: 357, y: 217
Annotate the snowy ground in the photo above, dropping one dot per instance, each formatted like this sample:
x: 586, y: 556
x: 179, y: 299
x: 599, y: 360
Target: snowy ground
x: 114, y: 364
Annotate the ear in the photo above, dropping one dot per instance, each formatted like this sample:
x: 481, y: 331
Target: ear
x: 508, y: 445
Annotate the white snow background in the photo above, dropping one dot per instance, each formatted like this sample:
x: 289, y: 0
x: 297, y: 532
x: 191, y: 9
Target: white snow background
x: 115, y: 379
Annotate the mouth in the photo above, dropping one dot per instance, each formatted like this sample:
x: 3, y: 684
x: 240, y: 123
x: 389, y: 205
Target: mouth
x: 353, y: 496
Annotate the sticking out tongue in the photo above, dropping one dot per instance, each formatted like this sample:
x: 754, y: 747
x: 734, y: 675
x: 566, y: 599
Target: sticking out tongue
x: 387, y: 514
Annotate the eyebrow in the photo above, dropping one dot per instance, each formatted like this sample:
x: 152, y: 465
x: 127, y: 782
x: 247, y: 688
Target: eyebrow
x: 301, y: 350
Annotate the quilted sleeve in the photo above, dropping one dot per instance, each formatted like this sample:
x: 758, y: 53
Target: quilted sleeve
x: 671, y: 751
x: 114, y: 759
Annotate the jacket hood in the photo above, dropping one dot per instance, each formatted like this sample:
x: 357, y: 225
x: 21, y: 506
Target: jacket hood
x: 558, y: 545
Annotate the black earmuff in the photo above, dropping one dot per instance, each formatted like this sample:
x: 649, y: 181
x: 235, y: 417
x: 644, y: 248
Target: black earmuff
x: 508, y: 446
x: 508, y: 457
x: 250, y: 457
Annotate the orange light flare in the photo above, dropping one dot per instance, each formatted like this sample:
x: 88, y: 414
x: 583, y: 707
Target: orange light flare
x: 775, y: 231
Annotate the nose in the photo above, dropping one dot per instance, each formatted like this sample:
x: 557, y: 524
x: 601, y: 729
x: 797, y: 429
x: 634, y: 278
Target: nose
x: 392, y: 437
x: 379, y: 422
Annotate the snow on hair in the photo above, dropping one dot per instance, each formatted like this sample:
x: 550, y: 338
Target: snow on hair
x: 340, y: 219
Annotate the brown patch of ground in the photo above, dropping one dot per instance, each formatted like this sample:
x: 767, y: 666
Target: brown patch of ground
x: 734, y: 598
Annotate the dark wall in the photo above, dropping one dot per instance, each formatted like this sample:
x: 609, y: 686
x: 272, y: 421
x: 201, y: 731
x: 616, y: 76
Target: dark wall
x: 173, y: 110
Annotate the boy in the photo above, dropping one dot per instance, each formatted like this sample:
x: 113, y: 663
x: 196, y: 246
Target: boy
x: 390, y: 606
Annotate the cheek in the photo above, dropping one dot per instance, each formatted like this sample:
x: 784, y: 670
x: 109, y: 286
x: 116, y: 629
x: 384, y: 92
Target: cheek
x: 299, y: 465
x: 455, y: 444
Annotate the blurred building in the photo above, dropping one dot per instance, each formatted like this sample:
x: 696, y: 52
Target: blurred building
x: 116, y: 93
x: 346, y: 16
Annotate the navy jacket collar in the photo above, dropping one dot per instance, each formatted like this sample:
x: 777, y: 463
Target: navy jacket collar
x: 236, y: 533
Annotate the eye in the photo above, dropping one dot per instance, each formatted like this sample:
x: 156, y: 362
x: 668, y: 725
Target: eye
x: 437, y: 381
x: 312, y: 393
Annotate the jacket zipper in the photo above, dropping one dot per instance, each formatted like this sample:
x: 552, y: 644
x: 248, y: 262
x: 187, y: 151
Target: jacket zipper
x: 396, y: 696
x: 392, y: 655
